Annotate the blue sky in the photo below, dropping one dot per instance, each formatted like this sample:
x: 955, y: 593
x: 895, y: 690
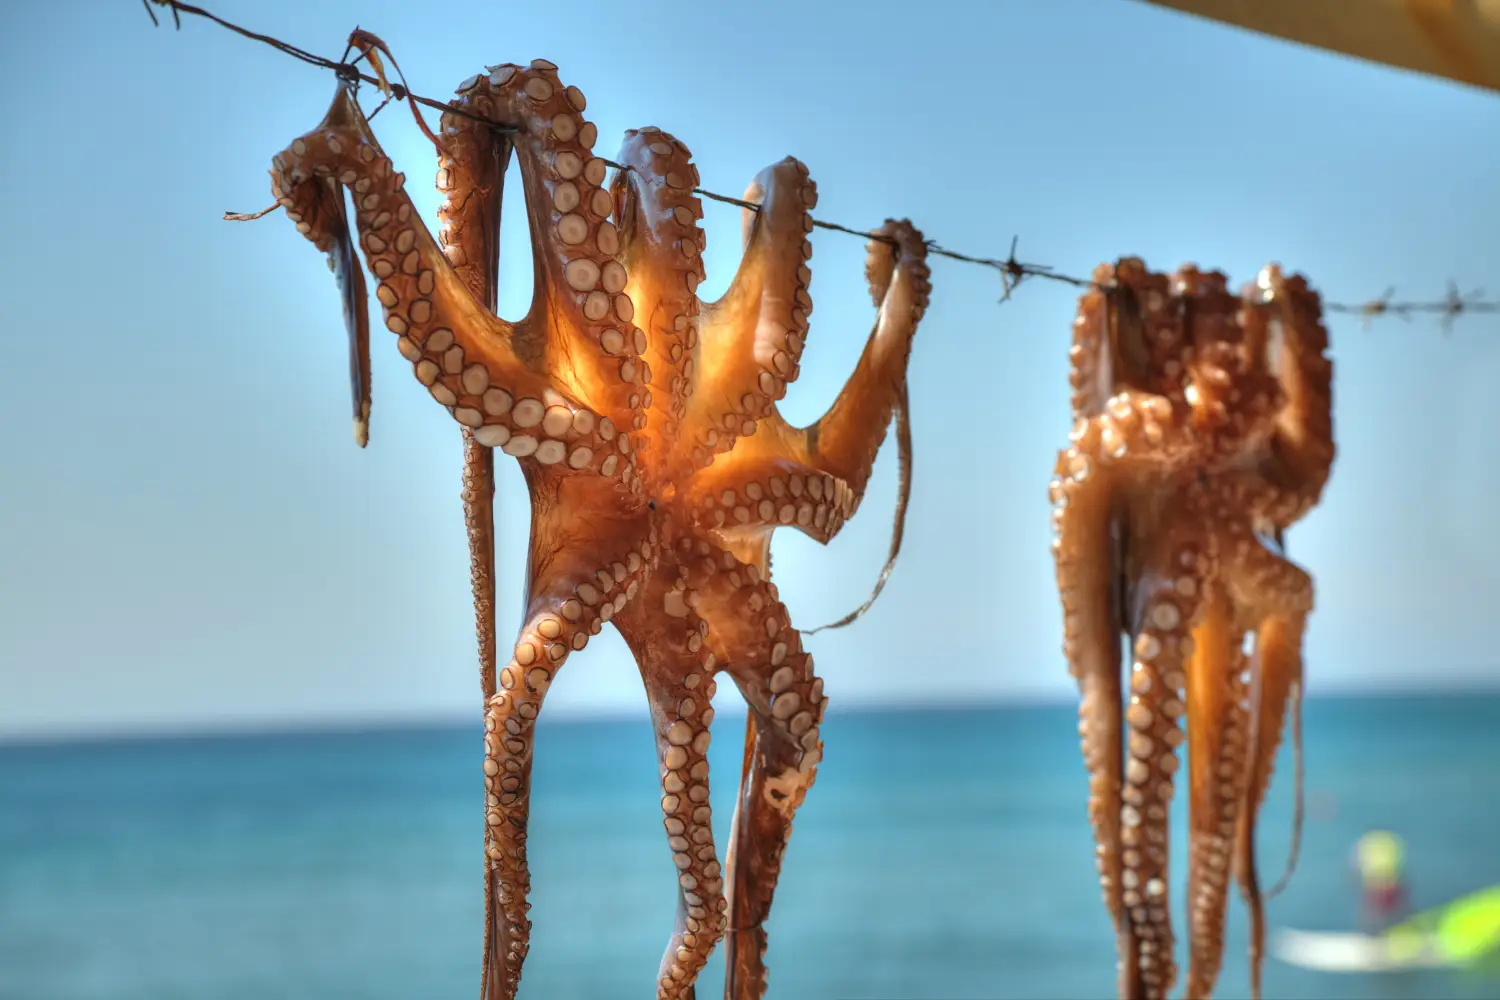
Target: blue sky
x: 190, y: 538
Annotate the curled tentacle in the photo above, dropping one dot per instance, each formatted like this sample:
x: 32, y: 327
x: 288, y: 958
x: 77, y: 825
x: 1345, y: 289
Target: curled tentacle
x: 750, y: 340
x: 1125, y: 339
x: 845, y: 439
x: 318, y: 209
x: 734, y: 498
x: 1234, y: 399
x: 1282, y: 319
x: 814, y: 478
x: 458, y: 350
x: 580, y: 312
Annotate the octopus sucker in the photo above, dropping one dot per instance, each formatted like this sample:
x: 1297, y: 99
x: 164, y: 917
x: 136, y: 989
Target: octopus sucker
x: 1201, y: 422
x: 633, y: 410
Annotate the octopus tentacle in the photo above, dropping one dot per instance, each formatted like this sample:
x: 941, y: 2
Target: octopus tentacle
x: 479, y: 520
x: 1294, y: 850
x: 1281, y: 595
x: 1125, y: 339
x: 1233, y: 398
x: 580, y: 309
x: 1169, y: 580
x: 667, y: 637
x: 1217, y: 766
x: 351, y: 279
x: 844, y: 440
x: 662, y: 246
x: 898, y: 521
x: 1092, y: 623
x: 570, y: 600
x: 751, y: 339
x: 459, y: 351
x: 472, y: 162
x: 320, y: 214
x: 1275, y: 669
x: 751, y: 632
x: 814, y: 478
x: 1282, y: 319
x: 769, y: 492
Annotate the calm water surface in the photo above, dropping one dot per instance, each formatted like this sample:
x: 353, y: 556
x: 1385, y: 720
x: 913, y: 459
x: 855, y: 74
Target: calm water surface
x: 941, y: 855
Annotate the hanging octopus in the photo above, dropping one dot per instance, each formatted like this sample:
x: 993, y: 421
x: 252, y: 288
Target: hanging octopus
x: 645, y: 423
x: 1203, y: 431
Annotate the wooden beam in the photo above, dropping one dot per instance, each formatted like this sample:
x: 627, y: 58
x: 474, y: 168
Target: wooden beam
x: 1456, y: 40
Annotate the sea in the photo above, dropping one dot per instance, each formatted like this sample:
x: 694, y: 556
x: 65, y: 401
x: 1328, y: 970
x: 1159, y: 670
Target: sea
x: 942, y: 855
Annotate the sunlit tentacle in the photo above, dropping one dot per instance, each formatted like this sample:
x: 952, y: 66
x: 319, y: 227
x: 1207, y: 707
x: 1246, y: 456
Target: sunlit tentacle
x: 814, y: 478
x: 662, y: 244
x: 580, y: 306
x: 750, y: 340
x: 767, y: 493
x: 458, y: 350
x: 845, y: 440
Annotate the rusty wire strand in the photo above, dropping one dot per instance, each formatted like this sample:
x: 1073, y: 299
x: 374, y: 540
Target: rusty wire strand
x: 1011, y: 270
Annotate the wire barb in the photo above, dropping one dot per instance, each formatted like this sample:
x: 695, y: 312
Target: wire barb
x: 1011, y: 270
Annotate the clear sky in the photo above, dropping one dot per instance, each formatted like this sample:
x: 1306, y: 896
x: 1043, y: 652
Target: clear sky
x: 190, y: 538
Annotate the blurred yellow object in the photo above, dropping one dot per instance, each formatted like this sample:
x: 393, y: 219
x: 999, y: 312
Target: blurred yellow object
x: 1379, y: 854
x: 1453, y: 39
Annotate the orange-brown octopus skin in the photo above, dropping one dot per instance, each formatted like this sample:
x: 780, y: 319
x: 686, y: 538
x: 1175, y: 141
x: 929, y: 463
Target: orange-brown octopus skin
x: 645, y: 425
x: 1200, y: 420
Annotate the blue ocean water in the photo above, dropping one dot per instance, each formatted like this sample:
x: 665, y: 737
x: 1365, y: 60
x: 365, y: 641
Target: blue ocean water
x: 941, y: 855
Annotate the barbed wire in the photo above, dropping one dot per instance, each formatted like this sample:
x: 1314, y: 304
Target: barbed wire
x: 1011, y: 270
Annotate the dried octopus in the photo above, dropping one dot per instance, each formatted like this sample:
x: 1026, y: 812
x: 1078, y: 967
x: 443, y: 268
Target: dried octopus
x: 1203, y: 430
x: 645, y: 424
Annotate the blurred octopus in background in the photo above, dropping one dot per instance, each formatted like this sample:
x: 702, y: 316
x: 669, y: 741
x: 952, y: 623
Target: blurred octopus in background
x: 1202, y: 432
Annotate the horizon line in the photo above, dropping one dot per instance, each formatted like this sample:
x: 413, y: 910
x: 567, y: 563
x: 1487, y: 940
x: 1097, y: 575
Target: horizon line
x: 333, y: 725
